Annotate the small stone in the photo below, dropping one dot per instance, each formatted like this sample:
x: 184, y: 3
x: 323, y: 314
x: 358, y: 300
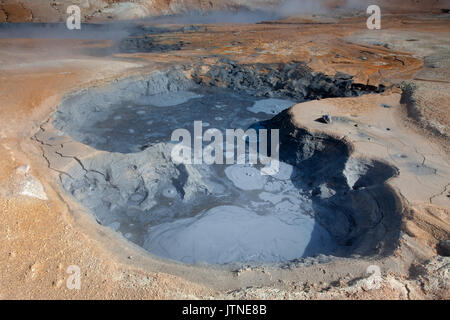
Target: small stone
x: 325, y: 119
x: 443, y: 248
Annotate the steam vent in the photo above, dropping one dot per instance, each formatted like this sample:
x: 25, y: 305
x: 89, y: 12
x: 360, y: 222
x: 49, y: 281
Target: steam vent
x: 273, y: 149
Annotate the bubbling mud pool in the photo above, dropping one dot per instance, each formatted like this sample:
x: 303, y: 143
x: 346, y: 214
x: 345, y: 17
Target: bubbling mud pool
x: 320, y: 202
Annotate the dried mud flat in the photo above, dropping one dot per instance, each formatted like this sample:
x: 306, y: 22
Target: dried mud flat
x: 386, y: 96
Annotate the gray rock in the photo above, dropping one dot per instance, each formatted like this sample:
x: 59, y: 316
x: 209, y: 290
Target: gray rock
x: 326, y: 119
x: 443, y: 248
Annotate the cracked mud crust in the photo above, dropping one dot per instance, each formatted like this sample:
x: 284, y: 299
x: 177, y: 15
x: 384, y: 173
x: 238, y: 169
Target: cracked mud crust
x: 41, y: 238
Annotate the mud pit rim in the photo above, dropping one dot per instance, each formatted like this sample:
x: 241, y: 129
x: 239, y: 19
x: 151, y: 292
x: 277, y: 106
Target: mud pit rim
x: 283, y: 117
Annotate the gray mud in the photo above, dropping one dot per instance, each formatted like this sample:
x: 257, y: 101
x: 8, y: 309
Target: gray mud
x: 321, y: 202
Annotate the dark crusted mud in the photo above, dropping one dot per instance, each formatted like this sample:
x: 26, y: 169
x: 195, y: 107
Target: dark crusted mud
x: 280, y: 80
x: 148, y: 43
